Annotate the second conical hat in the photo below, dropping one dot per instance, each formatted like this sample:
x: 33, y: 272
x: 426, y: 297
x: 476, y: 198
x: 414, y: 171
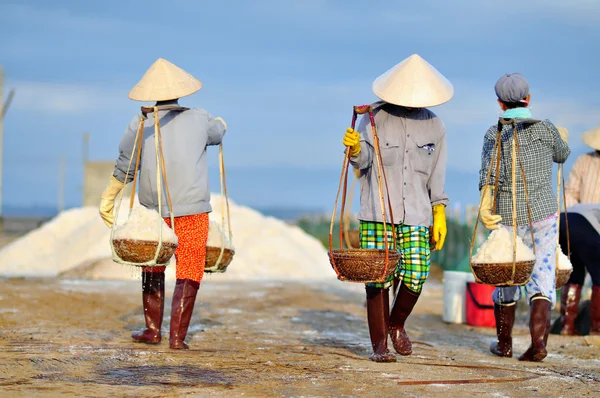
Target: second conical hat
x: 164, y: 81
x: 591, y: 138
x: 413, y: 83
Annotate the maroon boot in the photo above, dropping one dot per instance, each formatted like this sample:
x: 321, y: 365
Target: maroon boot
x: 595, y: 311
x: 403, y: 305
x: 182, y: 307
x: 569, y: 307
x: 153, y: 299
x: 378, y: 309
x: 539, y: 327
x: 505, y: 320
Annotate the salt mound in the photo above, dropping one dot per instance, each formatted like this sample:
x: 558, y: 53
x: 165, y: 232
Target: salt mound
x: 498, y: 248
x: 77, y: 244
x: 142, y: 224
x: 563, y: 260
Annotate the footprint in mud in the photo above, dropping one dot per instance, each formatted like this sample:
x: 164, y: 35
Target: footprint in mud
x: 335, y: 329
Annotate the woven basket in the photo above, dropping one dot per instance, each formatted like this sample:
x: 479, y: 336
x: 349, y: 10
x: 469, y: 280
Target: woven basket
x: 212, y: 256
x: 363, y: 265
x: 501, y: 274
x: 142, y: 251
x: 562, y: 277
x: 354, y: 238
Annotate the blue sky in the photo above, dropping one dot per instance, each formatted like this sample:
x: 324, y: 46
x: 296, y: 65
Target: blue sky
x: 284, y: 75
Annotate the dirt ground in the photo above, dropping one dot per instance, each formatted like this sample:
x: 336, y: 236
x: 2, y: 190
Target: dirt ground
x: 262, y: 339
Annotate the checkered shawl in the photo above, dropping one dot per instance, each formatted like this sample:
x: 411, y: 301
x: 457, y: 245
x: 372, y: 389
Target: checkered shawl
x: 540, y: 145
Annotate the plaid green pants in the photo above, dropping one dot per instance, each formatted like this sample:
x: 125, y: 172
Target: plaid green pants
x: 413, y: 245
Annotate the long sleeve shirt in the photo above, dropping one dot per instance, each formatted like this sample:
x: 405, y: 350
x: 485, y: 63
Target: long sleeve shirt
x: 413, y: 151
x: 540, y: 145
x: 185, y: 136
x: 583, y: 185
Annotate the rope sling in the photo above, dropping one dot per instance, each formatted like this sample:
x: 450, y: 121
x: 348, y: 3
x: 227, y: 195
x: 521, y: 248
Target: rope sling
x: 364, y: 265
x: 133, y: 252
x: 520, y: 272
x: 138, y: 253
x: 562, y: 276
x: 225, y: 255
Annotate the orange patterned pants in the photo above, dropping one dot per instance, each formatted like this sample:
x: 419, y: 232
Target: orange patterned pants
x: 192, y: 234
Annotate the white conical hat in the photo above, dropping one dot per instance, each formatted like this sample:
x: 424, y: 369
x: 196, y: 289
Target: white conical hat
x: 164, y: 81
x: 591, y: 138
x: 413, y: 83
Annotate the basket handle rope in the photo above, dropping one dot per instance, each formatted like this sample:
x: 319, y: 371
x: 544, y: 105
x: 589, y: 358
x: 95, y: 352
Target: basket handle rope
x: 516, y: 160
x: 224, y: 209
x: 160, y: 175
x: 560, y: 178
x: 347, y: 224
x: 344, y: 181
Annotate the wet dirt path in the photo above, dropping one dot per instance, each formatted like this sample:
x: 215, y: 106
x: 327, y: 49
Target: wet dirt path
x: 72, y: 338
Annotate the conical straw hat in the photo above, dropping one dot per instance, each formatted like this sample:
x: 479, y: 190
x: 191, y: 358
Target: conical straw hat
x: 591, y: 138
x: 413, y: 83
x: 164, y: 81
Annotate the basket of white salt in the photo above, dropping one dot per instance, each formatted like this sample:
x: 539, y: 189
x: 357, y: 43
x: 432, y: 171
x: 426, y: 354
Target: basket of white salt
x: 145, y: 239
x: 219, y: 250
x: 219, y: 247
x: 493, y: 263
x: 563, y: 268
x: 137, y: 240
x: 364, y: 265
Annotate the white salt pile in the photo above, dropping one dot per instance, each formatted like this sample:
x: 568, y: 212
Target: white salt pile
x: 498, y: 248
x: 563, y: 260
x: 218, y: 238
x: 143, y: 224
x: 76, y: 243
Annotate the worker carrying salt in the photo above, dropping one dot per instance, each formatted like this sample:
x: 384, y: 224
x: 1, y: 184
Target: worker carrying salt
x: 186, y: 133
x: 583, y: 198
x: 413, y: 150
x: 540, y: 145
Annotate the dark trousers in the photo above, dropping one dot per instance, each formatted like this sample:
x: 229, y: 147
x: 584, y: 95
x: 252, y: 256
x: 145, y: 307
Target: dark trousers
x: 585, y: 248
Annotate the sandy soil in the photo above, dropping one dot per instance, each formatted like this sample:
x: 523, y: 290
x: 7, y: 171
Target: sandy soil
x: 72, y: 338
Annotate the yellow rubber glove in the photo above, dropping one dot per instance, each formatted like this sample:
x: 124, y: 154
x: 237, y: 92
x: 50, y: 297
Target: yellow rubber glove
x: 352, y: 140
x: 485, y: 212
x: 107, y: 201
x: 439, y: 226
x: 564, y: 134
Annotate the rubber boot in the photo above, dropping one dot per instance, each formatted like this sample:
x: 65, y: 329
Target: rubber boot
x: 403, y: 305
x: 539, y: 327
x: 595, y: 311
x: 153, y: 300
x: 182, y: 307
x: 505, y: 320
x: 569, y: 307
x: 378, y: 310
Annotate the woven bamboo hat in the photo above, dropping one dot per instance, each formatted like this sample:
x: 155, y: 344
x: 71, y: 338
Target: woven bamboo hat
x: 591, y: 138
x: 413, y: 83
x: 164, y: 81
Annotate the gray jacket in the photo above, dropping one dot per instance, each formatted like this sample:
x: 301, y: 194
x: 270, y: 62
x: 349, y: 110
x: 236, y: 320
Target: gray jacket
x: 413, y: 150
x: 185, y: 136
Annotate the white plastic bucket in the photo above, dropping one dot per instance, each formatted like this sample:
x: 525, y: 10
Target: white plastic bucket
x: 455, y: 284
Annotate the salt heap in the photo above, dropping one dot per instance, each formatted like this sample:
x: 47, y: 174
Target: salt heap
x: 76, y: 244
x: 563, y: 260
x: 498, y: 248
x: 142, y: 224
